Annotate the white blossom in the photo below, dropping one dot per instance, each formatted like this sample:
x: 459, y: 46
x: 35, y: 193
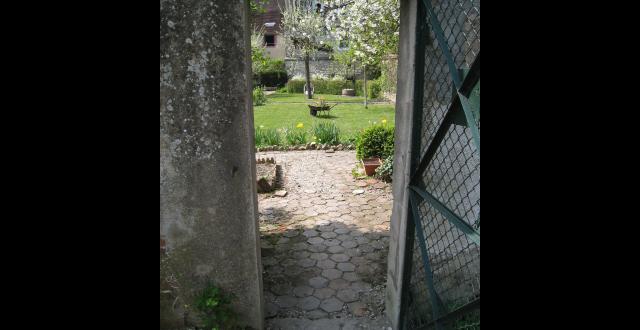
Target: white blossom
x: 371, y: 26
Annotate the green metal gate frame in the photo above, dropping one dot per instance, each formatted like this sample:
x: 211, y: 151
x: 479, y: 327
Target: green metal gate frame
x: 463, y: 111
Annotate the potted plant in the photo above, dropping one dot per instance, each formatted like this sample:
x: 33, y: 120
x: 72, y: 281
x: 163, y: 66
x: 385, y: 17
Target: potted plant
x: 374, y: 143
x: 370, y: 165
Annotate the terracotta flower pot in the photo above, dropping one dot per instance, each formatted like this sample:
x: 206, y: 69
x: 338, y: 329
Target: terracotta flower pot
x: 370, y: 165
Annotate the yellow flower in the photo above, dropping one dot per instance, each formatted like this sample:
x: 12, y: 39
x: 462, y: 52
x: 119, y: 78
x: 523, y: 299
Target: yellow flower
x: 261, y: 126
x: 384, y: 122
x: 314, y: 137
x: 300, y: 125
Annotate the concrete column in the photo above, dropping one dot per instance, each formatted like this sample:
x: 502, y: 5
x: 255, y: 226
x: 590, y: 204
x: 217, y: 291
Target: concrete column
x: 402, y: 159
x: 208, y: 202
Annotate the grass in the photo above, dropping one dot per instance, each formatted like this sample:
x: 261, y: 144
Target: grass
x: 267, y: 136
x: 327, y: 132
x: 349, y: 118
x: 289, y: 98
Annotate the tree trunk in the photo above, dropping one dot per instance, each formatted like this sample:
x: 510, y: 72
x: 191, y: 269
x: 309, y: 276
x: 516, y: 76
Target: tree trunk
x: 365, y: 85
x: 307, y: 75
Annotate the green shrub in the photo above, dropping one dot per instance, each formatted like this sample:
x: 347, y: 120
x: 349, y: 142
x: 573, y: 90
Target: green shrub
x: 349, y: 139
x: 258, y: 96
x: 272, y: 78
x: 335, y: 87
x: 373, y: 89
x: 267, y: 137
x: 326, y: 132
x: 295, y: 86
x: 385, y: 171
x: 214, y: 308
x: 388, y: 149
x: 274, y: 65
x: 295, y: 135
x: 375, y: 141
x: 321, y: 86
x: 359, y: 88
x: 282, y: 90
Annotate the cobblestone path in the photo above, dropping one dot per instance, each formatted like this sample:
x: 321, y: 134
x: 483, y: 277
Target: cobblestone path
x: 324, y: 245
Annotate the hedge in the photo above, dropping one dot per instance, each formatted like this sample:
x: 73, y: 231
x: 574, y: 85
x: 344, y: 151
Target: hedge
x: 320, y: 86
x: 335, y: 87
x: 273, y: 78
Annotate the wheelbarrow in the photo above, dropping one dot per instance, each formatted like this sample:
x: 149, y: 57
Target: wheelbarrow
x: 314, y: 109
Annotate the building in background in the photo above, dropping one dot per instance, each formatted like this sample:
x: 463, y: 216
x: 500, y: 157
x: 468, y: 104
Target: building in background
x: 270, y: 22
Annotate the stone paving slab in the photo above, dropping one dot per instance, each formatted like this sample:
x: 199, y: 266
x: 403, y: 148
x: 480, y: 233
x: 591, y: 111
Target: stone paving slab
x: 324, y: 249
x: 327, y: 324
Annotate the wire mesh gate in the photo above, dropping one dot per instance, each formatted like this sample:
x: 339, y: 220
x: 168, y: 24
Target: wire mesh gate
x: 443, y: 236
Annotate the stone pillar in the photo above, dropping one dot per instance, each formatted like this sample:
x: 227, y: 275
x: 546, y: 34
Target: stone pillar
x: 402, y: 160
x: 208, y: 202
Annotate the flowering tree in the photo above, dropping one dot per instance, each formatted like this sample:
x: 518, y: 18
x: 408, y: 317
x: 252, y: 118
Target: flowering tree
x: 304, y: 28
x: 371, y: 27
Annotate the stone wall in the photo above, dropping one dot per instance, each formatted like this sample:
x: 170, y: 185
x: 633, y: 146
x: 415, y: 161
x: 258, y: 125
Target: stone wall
x: 320, y: 65
x: 389, y: 76
x: 208, y: 204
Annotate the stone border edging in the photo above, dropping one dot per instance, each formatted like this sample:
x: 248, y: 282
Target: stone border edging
x: 308, y: 146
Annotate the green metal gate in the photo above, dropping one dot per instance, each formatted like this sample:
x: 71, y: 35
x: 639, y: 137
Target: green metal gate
x: 443, y: 236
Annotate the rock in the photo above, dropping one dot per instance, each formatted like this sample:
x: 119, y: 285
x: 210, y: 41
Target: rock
x: 302, y: 148
x: 259, y: 149
x: 358, y: 308
x: 340, y: 147
x: 358, y: 191
x: 330, y: 150
x: 380, y: 185
x: 281, y: 193
x: 311, y: 145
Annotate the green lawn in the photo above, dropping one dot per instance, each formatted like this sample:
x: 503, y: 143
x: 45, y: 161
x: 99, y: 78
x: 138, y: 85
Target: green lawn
x: 285, y: 97
x: 349, y: 118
